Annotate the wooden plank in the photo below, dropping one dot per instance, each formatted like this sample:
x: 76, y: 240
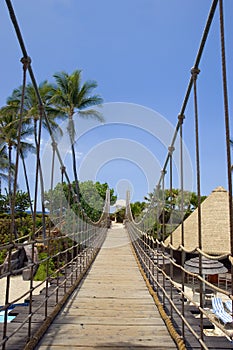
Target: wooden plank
x: 102, y: 335
x: 113, y: 308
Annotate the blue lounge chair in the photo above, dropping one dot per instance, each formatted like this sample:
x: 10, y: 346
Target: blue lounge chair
x: 228, y: 305
x: 217, y: 304
x: 223, y: 316
x: 220, y: 313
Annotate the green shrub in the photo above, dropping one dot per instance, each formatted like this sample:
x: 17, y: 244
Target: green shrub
x: 41, y: 273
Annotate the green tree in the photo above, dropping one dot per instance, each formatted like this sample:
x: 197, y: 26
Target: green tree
x: 31, y: 108
x: 137, y: 208
x: 73, y: 99
x: 9, y: 123
x: 120, y: 214
x: 33, y: 114
x: 168, y: 208
x: 92, y: 198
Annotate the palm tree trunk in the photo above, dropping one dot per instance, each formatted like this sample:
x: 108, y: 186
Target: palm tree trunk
x: 9, y: 172
x: 26, y: 180
x: 71, y: 132
x: 11, y: 200
x: 41, y: 184
x: 75, y: 173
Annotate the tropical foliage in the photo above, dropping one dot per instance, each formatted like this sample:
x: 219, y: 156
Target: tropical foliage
x: 67, y: 98
x: 167, y: 209
x: 72, y: 99
x: 22, y: 202
x: 92, y: 199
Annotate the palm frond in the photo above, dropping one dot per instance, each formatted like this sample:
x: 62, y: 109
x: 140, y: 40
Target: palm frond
x: 26, y: 148
x: 94, y: 100
x: 91, y: 114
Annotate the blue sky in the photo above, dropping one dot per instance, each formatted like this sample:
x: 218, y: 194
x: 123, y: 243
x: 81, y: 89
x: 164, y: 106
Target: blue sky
x: 140, y: 52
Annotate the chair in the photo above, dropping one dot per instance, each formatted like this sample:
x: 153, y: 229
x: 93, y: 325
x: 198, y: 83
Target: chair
x: 220, y: 313
x: 217, y: 304
x: 228, y: 305
x: 223, y: 316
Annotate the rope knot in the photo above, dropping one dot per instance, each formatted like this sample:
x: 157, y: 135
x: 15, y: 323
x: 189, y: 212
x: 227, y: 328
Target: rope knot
x: 181, y: 118
x: 54, y: 144
x: 26, y: 62
x: 171, y: 149
x: 63, y: 169
x: 195, y: 72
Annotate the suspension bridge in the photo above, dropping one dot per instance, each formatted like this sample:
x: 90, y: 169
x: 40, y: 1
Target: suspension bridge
x: 122, y: 286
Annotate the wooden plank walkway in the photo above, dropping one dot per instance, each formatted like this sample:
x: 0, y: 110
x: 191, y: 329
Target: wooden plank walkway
x: 112, y: 309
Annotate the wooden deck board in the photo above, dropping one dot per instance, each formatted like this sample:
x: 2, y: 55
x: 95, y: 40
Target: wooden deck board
x: 113, y: 308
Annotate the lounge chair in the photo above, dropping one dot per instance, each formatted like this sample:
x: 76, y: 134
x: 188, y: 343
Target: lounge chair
x: 217, y: 304
x: 220, y: 313
x: 228, y: 305
x: 223, y: 316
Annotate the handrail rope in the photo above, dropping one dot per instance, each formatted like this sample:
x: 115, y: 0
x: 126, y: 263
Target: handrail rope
x: 172, y: 303
x: 209, y: 316
x: 227, y: 332
x: 34, y: 312
x: 187, y: 272
x: 181, y: 247
x: 50, y: 317
x: 175, y: 336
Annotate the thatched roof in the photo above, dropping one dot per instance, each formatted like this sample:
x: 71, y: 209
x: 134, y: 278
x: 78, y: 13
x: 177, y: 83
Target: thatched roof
x: 215, y: 225
x: 209, y: 266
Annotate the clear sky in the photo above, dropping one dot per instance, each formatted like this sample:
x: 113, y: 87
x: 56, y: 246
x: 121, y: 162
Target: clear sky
x: 140, y: 52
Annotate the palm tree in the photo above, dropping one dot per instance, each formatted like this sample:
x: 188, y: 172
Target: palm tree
x: 26, y: 148
x: 3, y: 163
x: 71, y: 99
x: 31, y: 106
x: 9, y: 123
x: 32, y: 114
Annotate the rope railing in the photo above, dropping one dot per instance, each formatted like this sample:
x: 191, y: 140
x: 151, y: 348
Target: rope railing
x: 66, y: 259
x: 69, y: 252
x: 56, y: 255
x: 152, y: 234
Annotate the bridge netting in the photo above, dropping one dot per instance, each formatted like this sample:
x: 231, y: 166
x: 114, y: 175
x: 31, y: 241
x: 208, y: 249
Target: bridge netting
x: 72, y: 248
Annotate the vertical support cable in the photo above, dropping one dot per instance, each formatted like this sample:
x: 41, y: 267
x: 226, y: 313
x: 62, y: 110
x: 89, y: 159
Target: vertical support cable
x: 158, y: 238
x: 163, y: 226
x: 195, y: 72
x: 227, y: 130
x: 26, y: 63
x: 38, y: 170
x: 181, y: 121
x: 171, y: 150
